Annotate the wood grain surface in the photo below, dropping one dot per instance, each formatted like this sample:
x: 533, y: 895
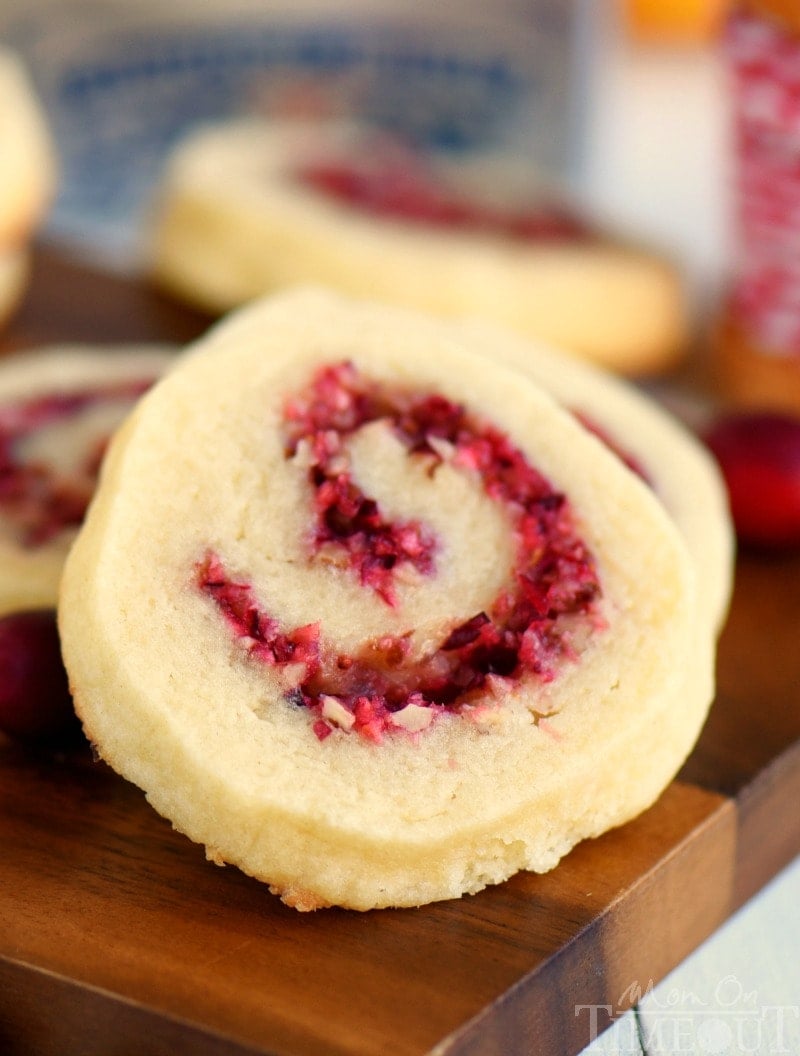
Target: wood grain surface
x: 117, y: 937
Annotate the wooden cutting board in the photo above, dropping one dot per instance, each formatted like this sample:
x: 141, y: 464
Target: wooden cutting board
x: 116, y: 936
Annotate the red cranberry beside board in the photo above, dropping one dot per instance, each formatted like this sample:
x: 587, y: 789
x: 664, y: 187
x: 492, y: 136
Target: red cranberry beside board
x: 759, y: 455
x: 35, y: 703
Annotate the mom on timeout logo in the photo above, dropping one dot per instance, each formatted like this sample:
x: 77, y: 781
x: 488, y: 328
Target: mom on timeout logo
x: 728, y: 1021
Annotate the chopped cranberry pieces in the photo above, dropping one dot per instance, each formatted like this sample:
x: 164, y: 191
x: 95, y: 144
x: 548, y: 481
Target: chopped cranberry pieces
x: 404, y: 189
x: 526, y: 631
x: 626, y: 457
x: 336, y: 405
x: 238, y: 605
x: 38, y: 501
x: 465, y: 634
x: 322, y: 729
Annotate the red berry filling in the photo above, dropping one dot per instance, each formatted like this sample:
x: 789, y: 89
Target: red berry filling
x: 36, y: 499
x: 626, y: 457
x: 535, y: 622
x: 260, y: 632
x: 337, y: 404
x: 404, y: 189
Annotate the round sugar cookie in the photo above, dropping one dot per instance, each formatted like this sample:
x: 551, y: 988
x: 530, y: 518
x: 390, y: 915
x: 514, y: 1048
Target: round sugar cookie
x: 28, y: 169
x: 58, y: 407
x: 250, y: 207
x: 373, y: 619
x: 677, y: 465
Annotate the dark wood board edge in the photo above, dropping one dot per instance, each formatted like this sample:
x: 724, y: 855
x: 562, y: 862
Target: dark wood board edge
x: 768, y: 832
x: 618, y: 944
x: 638, y: 945
x: 44, y: 1014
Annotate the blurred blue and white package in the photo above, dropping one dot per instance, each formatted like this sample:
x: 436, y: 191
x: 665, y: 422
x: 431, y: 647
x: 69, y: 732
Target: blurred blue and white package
x: 121, y: 85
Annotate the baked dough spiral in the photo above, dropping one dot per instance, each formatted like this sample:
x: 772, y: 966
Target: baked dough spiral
x: 371, y: 616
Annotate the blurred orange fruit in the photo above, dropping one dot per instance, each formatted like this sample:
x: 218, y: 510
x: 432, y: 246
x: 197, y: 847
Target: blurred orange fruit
x: 676, y: 21
x: 784, y: 12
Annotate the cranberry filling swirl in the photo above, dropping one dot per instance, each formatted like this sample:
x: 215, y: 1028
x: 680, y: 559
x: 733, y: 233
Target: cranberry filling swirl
x: 37, y: 500
x: 538, y: 620
x: 403, y: 188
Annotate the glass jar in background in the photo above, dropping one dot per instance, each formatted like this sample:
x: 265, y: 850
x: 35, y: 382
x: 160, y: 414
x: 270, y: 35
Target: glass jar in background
x: 757, y: 345
x: 655, y: 150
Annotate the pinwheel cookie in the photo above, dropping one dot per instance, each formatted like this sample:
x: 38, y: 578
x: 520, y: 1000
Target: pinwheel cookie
x: 58, y: 407
x: 250, y: 207
x: 375, y: 619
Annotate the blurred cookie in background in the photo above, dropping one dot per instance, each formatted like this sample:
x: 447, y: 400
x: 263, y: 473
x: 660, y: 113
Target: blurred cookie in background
x: 248, y: 207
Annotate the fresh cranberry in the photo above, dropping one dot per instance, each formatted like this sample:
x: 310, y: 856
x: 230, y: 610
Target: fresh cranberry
x: 759, y: 455
x: 35, y: 702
